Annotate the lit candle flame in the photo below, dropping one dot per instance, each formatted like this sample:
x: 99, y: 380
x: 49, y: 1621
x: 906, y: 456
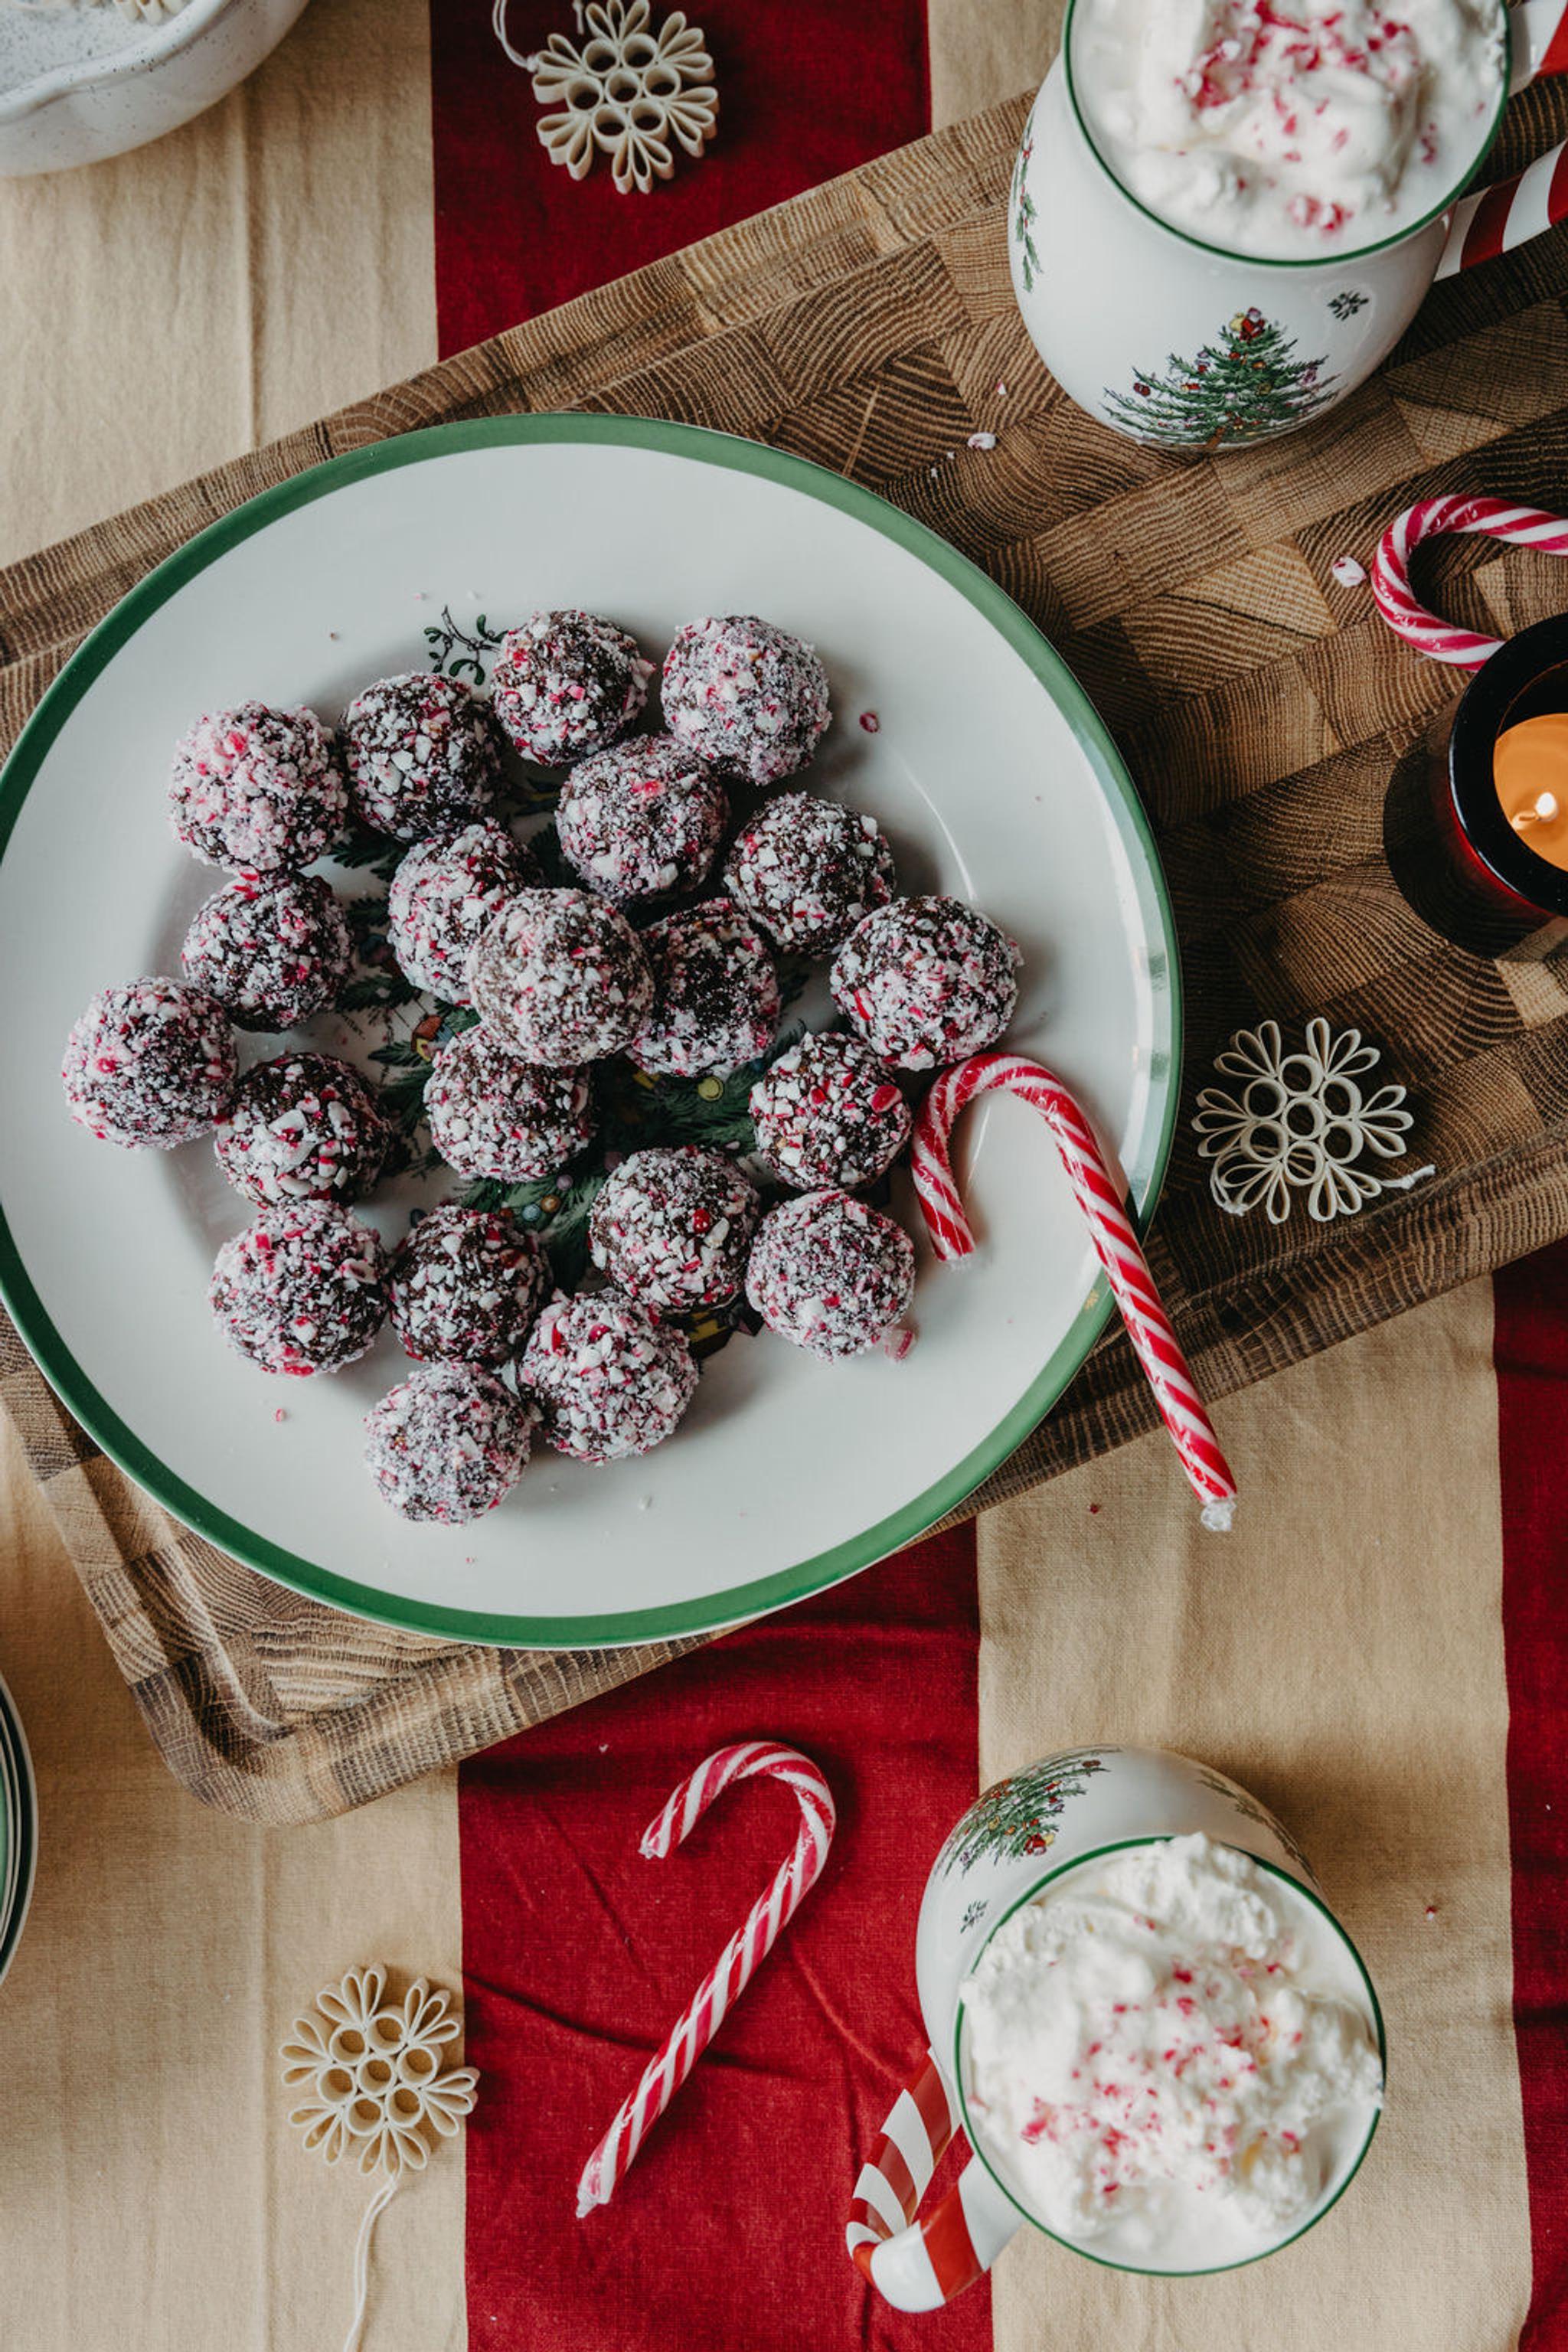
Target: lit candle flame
x: 1543, y: 812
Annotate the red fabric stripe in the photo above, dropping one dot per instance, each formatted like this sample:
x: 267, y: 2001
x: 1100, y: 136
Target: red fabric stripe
x: 807, y: 88
x: 1483, y: 239
x: 578, y: 1953
x: 1531, y: 1353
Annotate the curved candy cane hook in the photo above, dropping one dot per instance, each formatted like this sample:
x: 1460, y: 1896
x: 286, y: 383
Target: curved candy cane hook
x: 733, y: 1969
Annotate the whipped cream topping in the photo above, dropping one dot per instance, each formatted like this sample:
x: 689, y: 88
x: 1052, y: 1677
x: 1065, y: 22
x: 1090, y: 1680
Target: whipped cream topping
x: 1170, y: 2056
x: 1288, y: 128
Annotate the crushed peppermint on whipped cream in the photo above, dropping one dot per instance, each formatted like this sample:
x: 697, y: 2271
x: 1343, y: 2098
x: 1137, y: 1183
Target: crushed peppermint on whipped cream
x: 1169, y: 2055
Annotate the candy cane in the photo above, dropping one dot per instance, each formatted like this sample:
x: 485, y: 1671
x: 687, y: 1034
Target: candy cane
x: 1500, y: 519
x: 732, y: 1972
x: 1147, y: 1326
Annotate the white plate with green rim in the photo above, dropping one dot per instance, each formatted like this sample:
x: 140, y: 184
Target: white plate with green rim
x: 992, y: 776
x: 19, y: 1829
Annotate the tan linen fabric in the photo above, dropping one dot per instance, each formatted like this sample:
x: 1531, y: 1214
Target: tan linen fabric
x: 154, y: 2198
x: 1340, y: 1653
x: 983, y: 51
x: 269, y: 262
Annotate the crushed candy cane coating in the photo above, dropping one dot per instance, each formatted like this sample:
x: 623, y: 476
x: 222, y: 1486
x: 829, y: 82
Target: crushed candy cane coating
x: 494, y: 1115
x: 673, y: 1226
x: 423, y: 754
x: 716, y: 997
x: 447, y: 1444
x: 806, y: 870
x: 303, y: 1127
x: 610, y: 1378
x: 151, y: 1063
x: 302, y: 1290
x: 927, y: 981
x: 444, y: 893
x: 642, y: 820
x: 257, y: 789
x: 272, y: 952
x: 746, y: 696
x: 566, y: 684
x: 561, y: 978
x: 826, y: 1113
x: 830, y: 1273
x: 465, y: 1286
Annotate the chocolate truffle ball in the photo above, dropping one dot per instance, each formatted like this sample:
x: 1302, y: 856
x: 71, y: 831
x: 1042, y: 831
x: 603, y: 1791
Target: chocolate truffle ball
x: 303, y: 1127
x: 465, y: 1286
x: 272, y: 953
x: 745, y: 696
x: 566, y: 684
x: 827, y: 1113
x: 151, y: 1063
x: 608, y: 1378
x: 448, y: 1444
x: 257, y: 789
x: 927, y: 981
x: 806, y: 870
x: 492, y: 1115
x: 641, y: 820
x: 673, y: 1228
x: 830, y: 1273
x: 302, y: 1290
x: 561, y: 978
x: 442, y: 896
x: 423, y: 754
x: 715, y: 994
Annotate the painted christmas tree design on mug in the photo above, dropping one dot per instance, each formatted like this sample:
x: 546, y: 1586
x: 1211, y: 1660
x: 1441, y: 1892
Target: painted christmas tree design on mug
x: 1246, y: 385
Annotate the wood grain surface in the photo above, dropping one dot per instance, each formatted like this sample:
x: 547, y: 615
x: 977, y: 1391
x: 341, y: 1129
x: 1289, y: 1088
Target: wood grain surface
x: 1275, y: 729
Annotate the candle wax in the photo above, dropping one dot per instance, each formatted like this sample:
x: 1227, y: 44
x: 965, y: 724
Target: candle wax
x: 1530, y: 769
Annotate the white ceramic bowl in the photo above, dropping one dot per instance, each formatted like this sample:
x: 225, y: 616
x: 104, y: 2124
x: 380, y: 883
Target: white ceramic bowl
x: 122, y: 92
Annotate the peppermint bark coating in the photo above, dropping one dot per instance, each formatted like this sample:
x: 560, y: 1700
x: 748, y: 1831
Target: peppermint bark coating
x: 446, y: 1445
x: 153, y: 1063
x: 715, y: 994
x: 608, y: 1378
x: 465, y: 1286
x: 272, y: 953
x: 423, y: 754
x: 927, y: 981
x: 257, y: 789
x: 827, y: 1113
x: 303, y: 1127
x: 494, y: 1115
x: 745, y: 696
x: 673, y: 1228
x: 444, y: 893
x: 566, y: 684
x: 302, y: 1290
x: 561, y: 978
x: 642, y: 820
x: 830, y: 1273
x: 806, y: 870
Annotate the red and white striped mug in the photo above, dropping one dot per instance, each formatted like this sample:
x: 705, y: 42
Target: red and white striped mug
x: 1041, y: 1822
x: 1180, y: 342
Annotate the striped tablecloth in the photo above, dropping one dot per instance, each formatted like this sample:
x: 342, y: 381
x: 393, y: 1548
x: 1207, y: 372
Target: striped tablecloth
x: 1379, y: 1651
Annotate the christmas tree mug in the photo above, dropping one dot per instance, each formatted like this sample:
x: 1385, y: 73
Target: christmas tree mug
x: 1186, y: 342
x: 1068, y: 1823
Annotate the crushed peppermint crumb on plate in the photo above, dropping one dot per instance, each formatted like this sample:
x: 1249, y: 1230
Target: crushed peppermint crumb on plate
x: 1001, y: 389
x: 980, y: 441
x: 1348, y: 572
x: 871, y: 722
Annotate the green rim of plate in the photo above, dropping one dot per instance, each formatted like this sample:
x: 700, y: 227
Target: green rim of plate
x: 16, y: 1764
x: 714, y: 1610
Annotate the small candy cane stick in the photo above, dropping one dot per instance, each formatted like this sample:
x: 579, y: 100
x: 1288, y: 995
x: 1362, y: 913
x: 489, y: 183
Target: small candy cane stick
x: 1498, y: 519
x: 733, y: 1970
x: 1147, y: 1325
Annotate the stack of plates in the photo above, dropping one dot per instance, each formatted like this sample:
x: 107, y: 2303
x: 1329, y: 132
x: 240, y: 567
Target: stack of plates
x: 18, y: 1828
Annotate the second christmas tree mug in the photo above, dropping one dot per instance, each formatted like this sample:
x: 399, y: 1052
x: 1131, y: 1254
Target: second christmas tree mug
x: 1188, y: 345
x: 1042, y: 1822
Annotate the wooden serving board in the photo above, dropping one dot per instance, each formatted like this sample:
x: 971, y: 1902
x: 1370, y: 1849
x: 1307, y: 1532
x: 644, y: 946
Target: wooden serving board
x: 1264, y: 710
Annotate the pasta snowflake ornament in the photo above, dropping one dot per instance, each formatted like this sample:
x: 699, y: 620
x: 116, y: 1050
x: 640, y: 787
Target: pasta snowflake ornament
x: 1301, y: 1124
x: 622, y: 90
x: 367, y: 2072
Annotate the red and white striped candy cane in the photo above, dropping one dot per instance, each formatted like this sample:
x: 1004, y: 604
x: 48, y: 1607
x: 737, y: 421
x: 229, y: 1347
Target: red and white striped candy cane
x: 1495, y: 220
x: 733, y: 1969
x: 1111, y: 1229
x: 1499, y: 518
